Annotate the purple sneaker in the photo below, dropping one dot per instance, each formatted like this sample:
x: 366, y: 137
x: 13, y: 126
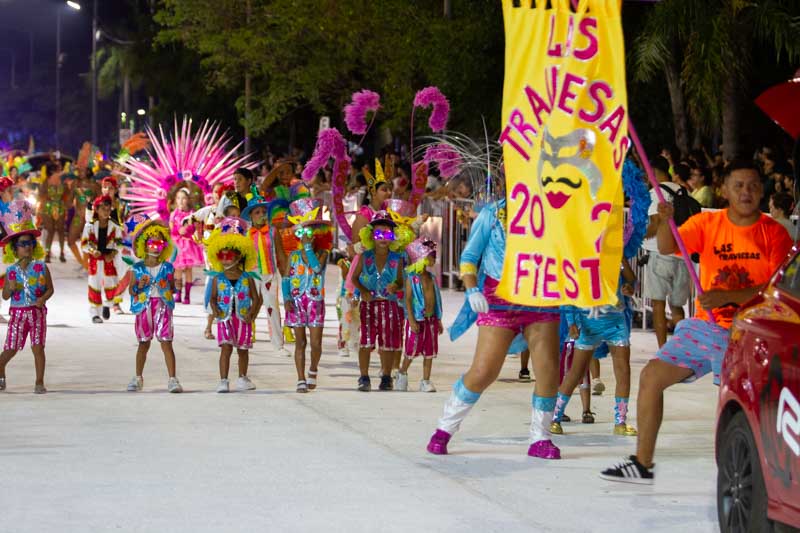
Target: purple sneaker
x: 543, y: 449
x: 438, y: 443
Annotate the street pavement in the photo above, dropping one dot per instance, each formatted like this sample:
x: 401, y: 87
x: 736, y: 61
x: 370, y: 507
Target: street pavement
x: 89, y: 456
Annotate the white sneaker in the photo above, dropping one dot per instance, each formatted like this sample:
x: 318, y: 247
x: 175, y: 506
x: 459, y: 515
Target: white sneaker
x: 344, y: 352
x: 244, y: 383
x: 426, y: 385
x: 284, y: 352
x: 136, y: 384
x: 174, y: 385
x: 223, y: 386
x: 597, y: 387
x: 401, y: 382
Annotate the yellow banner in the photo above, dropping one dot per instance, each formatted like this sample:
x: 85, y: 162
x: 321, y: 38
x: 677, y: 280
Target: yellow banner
x: 564, y: 139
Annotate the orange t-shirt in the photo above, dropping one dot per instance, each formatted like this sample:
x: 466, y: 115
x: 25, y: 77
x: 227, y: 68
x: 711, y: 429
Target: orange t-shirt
x: 734, y: 257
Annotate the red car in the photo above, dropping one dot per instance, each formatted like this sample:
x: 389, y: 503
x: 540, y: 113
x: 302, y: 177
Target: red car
x: 758, y: 416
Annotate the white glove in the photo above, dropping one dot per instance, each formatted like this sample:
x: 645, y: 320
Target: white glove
x: 477, y: 301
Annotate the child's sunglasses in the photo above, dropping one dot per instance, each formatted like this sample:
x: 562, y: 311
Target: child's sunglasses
x: 25, y: 244
x: 383, y: 235
x: 156, y: 244
x: 227, y: 255
x: 303, y: 232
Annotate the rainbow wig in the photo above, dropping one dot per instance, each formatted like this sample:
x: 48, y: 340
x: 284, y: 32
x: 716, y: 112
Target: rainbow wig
x: 322, y: 238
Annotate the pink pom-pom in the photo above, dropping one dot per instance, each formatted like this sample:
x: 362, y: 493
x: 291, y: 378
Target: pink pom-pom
x: 432, y: 96
x: 330, y: 144
x: 355, y: 113
x: 446, y: 158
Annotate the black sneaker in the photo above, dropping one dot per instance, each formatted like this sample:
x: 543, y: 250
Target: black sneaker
x: 386, y: 383
x: 106, y: 313
x: 364, y: 384
x: 630, y: 471
x: 525, y: 375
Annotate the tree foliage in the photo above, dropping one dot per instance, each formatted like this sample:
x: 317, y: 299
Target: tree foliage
x: 315, y: 54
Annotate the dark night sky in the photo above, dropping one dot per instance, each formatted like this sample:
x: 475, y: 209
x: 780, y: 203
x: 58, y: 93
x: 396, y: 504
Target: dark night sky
x: 20, y: 18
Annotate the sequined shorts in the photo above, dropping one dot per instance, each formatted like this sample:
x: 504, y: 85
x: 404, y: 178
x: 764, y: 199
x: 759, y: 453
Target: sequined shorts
x: 26, y: 321
x: 504, y: 314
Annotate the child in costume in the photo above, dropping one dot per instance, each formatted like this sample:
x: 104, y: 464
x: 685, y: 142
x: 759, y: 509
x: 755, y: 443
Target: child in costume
x: 234, y: 297
x: 423, y: 313
x: 404, y: 214
x: 499, y: 323
x: 151, y: 290
x: 378, y: 277
x: 347, y: 339
x: 28, y: 285
x: 304, y: 285
x: 270, y: 260
x: 590, y: 328
x: 190, y: 254
x: 100, y: 242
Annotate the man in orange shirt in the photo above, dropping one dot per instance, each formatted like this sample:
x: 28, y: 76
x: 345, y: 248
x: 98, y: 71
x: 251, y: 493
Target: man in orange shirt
x: 740, y: 248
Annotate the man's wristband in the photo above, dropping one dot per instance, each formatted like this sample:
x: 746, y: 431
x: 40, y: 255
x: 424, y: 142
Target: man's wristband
x: 472, y: 290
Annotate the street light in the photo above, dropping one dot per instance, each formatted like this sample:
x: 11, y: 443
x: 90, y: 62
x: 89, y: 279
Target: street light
x: 140, y: 112
x: 59, y: 59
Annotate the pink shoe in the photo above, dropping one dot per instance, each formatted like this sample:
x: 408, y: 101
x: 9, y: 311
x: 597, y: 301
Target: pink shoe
x: 543, y: 449
x: 438, y: 443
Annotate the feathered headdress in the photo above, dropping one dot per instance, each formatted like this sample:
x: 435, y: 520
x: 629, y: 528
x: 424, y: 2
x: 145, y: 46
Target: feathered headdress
x: 135, y: 144
x: 199, y: 157
x: 636, y: 224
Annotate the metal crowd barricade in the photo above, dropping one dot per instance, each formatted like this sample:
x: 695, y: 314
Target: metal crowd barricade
x: 445, y: 228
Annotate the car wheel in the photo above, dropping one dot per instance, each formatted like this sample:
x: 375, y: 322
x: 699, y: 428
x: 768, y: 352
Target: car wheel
x: 741, y: 493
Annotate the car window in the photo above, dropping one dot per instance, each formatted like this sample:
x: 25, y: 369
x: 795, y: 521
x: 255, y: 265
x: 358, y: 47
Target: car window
x: 790, y: 282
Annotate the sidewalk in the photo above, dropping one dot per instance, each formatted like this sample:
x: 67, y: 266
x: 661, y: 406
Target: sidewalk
x: 89, y: 456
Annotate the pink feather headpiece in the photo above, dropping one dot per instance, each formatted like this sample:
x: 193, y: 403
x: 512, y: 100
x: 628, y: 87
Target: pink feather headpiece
x: 432, y: 96
x: 446, y: 158
x: 330, y: 145
x: 355, y: 113
x: 199, y: 157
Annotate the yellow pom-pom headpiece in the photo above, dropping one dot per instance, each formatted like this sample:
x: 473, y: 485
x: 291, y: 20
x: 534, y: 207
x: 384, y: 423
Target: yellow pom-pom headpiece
x: 231, y: 234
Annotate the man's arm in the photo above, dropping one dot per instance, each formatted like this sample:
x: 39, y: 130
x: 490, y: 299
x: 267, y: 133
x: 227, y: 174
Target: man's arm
x: 664, y: 236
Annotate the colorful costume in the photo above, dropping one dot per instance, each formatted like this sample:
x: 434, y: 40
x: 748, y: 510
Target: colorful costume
x: 233, y: 299
x: 381, y: 317
x: 103, y: 274
x: 485, y: 249
x: 609, y: 325
x: 153, y: 303
x: 26, y: 319
x: 264, y: 244
x: 424, y: 342
x: 305, y: 283
x: 190, y: 254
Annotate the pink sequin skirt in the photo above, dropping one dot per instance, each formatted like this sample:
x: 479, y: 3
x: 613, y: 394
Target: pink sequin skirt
x: 504, y: 314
